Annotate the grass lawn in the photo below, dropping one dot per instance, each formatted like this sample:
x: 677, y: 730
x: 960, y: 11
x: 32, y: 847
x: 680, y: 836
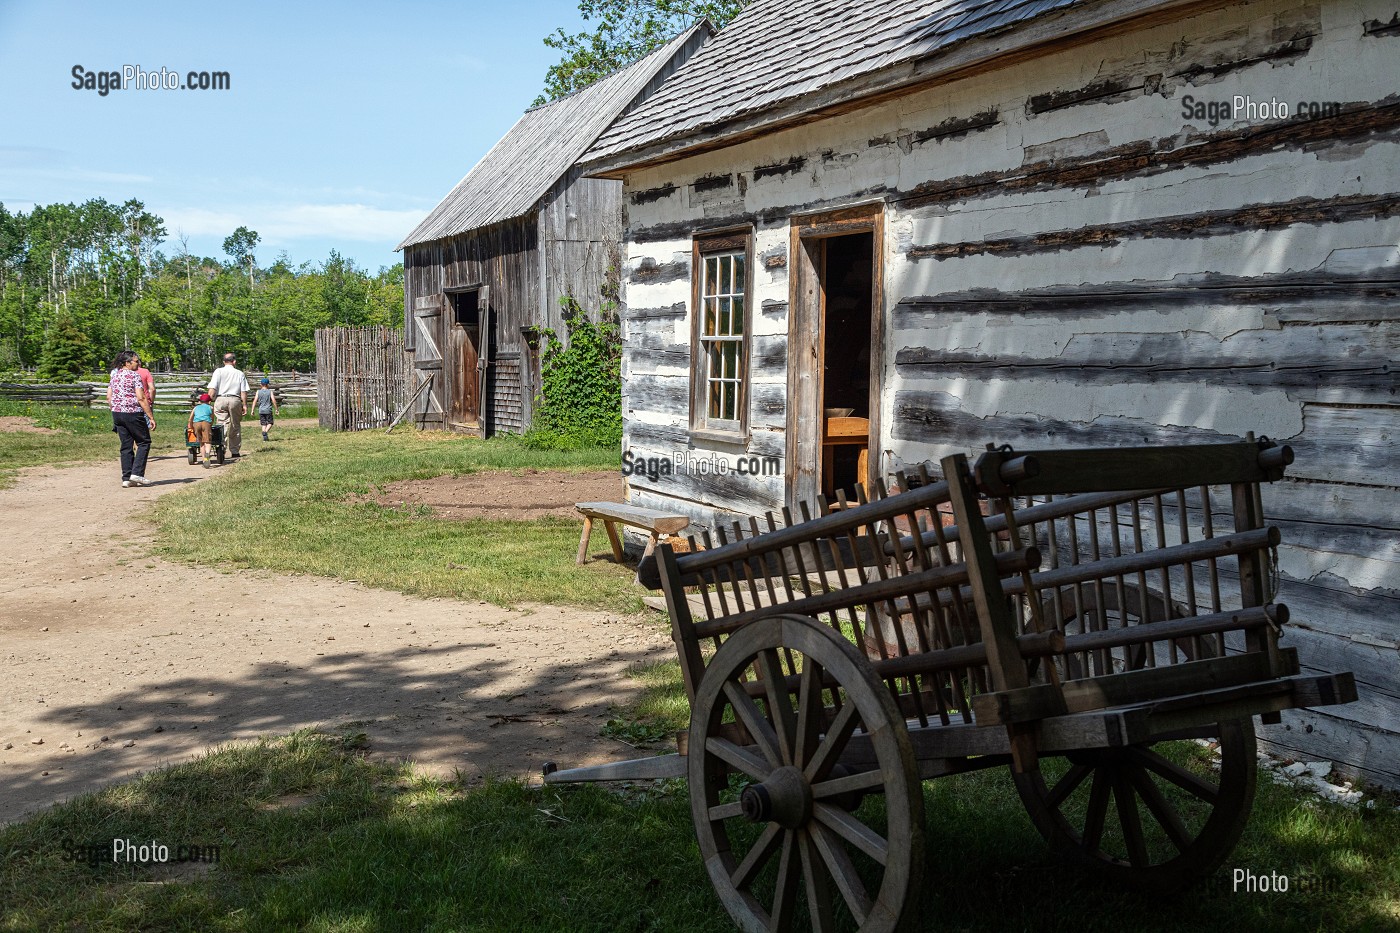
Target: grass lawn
x: 291, y: 508
x: 85, y: 434
x: 313, y: 836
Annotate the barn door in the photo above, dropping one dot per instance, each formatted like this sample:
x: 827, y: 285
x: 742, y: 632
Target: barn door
x: 483, y: 357
x: 427, y: 359
x: 468, y: 355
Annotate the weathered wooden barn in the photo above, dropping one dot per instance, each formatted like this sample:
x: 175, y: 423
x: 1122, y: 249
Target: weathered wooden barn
x: 486, y: 269
x: 1055, y: 222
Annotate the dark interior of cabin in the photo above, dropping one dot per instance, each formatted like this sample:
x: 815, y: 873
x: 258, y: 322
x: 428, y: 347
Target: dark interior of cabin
x: 847, y: 278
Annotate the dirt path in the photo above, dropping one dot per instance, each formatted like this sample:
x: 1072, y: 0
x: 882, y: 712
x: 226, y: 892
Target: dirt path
x: 120, y: 662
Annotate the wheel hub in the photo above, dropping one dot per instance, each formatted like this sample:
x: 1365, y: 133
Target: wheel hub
x: 785, y: 798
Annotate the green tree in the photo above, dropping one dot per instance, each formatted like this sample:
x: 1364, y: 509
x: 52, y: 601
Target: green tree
x: 624, y: 31
x: 67, y: 353
x: 240, y: 245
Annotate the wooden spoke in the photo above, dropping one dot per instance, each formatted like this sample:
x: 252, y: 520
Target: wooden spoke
x: 843, y: 872
x: 779, y: 706
x: 1160, y: 808
x: 801, y: 866
x: 1187, y: 780
x: 726, y: 811
x: 815, y: 879
x: 785, y: 892
x: 852, y: 830
x: 1129, y: 821
x: 862, y: 780
x: 809, y: 712
x: 1098, y: 810
x: 739, y: 758
x: 1200, y: 829
x: 758, y: 856
x: 1067, y: 784
x: 827, y: 753
x: 746, y: 711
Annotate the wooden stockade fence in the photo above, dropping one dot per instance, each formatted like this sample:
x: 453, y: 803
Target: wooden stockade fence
x: 362, y: 377
x: 173, y: 390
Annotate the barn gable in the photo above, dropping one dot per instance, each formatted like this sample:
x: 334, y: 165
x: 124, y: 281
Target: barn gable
x: 486, y: 269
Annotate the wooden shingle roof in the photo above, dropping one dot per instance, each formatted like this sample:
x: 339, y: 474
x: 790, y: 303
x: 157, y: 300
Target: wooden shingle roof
x: 545, y: 143
x: 779, y: 54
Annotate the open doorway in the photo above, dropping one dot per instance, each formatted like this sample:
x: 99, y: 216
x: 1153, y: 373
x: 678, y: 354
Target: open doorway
x: 847, y: 278
x: 835, y: 355
x: 464, y: 338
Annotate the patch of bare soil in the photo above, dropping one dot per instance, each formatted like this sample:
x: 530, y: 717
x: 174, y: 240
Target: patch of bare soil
x: 116, y: 662
x: 18, y: 424
x: 515, y: 496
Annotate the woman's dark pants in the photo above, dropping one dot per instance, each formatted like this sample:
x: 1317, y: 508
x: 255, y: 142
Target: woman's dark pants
x: 131, y: 428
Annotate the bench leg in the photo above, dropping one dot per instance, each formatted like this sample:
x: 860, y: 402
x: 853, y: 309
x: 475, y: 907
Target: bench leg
x: 614, y: 540
x: 651, y: 546
x: 583, y: 542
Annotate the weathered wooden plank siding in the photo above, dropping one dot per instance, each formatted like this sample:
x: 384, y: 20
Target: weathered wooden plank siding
x: 504, y: 257
x: 580, y: 238
x: 1074, y: 255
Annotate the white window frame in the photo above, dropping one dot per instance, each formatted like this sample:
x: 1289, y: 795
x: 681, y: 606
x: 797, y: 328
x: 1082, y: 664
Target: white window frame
x: 723, y: 322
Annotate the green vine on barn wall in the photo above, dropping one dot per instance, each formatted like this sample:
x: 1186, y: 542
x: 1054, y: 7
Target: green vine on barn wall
x: 580, y: 403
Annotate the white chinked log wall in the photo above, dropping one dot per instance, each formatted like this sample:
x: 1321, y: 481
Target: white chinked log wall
x: 1078, y: 263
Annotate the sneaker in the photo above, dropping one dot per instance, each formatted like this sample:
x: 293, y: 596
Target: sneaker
x: 264, y: 435
x: 126, y: 484
x: 140, y: 481
x: 207, y: 463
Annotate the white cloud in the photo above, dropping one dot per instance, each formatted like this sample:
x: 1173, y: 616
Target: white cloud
x: 356, y: 222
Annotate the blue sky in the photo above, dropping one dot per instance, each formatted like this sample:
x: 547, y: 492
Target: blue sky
x: 342, y: 127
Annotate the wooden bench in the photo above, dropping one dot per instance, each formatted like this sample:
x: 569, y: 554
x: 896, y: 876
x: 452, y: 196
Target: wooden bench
x: 653, y: 521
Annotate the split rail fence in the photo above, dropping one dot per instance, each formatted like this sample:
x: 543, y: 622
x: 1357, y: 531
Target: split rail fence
x: 362, y: 377
x: 173, y: 390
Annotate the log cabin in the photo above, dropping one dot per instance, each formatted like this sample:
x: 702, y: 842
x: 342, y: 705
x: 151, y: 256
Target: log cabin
x: 863, y: 235
x: 487, y: 269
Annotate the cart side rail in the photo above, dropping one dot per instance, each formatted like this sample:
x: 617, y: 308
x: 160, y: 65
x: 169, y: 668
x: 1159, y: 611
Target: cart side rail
x: 1157, y: 571
x: 879, y: 571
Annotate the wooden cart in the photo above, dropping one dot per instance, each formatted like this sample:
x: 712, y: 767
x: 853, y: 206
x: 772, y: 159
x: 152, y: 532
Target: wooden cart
x: 1070, y: 614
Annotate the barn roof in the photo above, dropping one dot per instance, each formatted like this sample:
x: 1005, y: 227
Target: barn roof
x: 544, y: 144
x: 781, y: 58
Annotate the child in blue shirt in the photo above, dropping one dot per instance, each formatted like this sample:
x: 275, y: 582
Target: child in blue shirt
x: 266, y: 403
x: 201, y: 426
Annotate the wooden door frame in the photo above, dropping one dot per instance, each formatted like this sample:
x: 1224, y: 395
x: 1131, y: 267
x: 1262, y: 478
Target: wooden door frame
x: 457, y: 372
x: 806, y: 336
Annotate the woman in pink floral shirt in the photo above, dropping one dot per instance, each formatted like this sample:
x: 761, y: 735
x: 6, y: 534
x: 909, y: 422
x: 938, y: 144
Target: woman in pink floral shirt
x: 132, y: 417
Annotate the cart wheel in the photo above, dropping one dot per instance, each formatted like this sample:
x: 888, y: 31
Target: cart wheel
x: 776, y: 814
x: 1170, y: 824
x: 193, y: 456
x: 220, y: 456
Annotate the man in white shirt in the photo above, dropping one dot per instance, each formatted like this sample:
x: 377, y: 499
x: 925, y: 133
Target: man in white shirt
x: 230, y: 390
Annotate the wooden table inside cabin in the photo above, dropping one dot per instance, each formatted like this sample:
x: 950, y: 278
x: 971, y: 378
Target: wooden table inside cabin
x: 843, y: 432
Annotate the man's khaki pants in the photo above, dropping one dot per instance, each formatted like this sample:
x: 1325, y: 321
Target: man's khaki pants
x: 228, y: 410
